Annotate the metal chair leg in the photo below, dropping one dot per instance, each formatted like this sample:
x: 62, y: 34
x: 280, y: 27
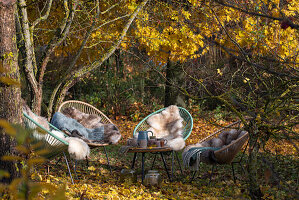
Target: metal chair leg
x: 193, y: 176
x: 108, y: 159
x: 58, y: 161
x: 68, y: 167
x: 172, y: 164
x: 177, y: 157
x: 211, y: 174
x: 243, y: 170
x: 232, y: 164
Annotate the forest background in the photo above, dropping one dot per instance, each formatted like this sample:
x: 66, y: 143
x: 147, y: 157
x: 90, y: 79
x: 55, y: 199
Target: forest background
x: 130, y: 58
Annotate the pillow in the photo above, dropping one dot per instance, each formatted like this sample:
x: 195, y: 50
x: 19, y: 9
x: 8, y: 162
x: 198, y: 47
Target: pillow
x: 233, y: 134
x: 223, y: 135
x: 242, y: 133
x: 216, y: 142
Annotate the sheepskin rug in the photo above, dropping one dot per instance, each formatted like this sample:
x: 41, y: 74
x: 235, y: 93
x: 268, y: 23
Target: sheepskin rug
x: 77, y: 148
x: 111, y: 133
x: 168, y: 124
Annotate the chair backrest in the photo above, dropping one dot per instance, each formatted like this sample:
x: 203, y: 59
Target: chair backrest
x: 187, y: 123
x: 46, y: 138
x: 85, y: 108
x: 226, y: 154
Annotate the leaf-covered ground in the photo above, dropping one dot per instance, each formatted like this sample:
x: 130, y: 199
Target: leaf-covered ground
x: 96, y: 182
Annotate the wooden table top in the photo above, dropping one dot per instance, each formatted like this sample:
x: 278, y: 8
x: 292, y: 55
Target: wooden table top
x: 149, y: 149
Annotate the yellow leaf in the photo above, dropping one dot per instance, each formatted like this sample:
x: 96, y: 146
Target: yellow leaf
x: 10, y: 81
x: 7, y: 127
x: 11, y: 158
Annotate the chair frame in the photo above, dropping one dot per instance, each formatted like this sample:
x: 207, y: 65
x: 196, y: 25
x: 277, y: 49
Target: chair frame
x: 53, y: 141
x: 224, y: 155
x: 188, y: 126
x: 142, y: 125
x: 89, y: 109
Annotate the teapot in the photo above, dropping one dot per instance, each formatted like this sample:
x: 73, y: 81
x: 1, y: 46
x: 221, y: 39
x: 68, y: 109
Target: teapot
x: 142, y: 138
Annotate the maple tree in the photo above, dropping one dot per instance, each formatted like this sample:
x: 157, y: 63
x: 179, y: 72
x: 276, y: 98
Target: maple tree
x: 30, y: 32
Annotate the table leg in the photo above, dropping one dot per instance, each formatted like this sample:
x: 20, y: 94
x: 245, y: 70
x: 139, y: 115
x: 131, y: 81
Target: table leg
x: 165, y: 166
x: 134, y: 159
x: 142, y: 167
x: 154, y: 161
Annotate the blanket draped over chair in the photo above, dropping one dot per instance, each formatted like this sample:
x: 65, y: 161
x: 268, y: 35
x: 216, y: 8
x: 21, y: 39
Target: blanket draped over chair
x: 168, y: 124
x: 204, y: 151
x: 105, y: 133
x: 77, y: 148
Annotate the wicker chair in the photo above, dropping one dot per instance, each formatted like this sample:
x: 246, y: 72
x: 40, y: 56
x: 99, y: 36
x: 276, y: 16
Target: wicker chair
x: 89, y: 109
x: 226, y: 154
x: 47, y: 140
x: 187, y: 123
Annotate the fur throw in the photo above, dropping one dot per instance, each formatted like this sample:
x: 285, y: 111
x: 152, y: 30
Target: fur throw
x: 93, y: 121
x: 87, y: 120
x: 107, y: 133
x: 77, y: 149
x: 41, y: 120
x: 224, y: 138
x: 168, y: 124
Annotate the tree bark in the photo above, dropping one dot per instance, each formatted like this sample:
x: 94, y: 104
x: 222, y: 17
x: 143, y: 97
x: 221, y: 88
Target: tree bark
x: 254, y: 187
x: 10, y: 95
x: 174, y: 76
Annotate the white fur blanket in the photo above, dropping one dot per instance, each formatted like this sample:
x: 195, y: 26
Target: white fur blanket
x: 168, y: 124
x: 77, y: 148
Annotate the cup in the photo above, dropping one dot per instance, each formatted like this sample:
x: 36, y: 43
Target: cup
x: 152, y: 141
x: 162, y: 141
x: 158, y: 143
x: 132, y: 142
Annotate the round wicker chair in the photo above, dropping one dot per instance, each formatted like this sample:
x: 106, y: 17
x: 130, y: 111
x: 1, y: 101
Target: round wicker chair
x: 227, y: 153
x: 44, y: 139
x: 187, y: 123
x: 88, y: 109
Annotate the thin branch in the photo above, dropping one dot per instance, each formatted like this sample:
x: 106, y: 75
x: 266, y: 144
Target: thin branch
x: 292, y: 25
x: 44, y: 17
x: 85, y: 69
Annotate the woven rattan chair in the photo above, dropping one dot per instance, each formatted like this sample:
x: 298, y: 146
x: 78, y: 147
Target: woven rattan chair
x: 88, y: 109
x: 187, y: 123
x: 226, y: 154
x: 54, y: 145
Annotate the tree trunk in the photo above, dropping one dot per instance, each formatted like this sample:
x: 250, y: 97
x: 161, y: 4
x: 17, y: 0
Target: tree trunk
x: 10, y: 95
x: 254, y: 188
x: 174, y: 77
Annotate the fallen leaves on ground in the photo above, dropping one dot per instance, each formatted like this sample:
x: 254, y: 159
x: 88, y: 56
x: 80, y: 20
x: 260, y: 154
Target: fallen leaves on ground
x: 96, y: 181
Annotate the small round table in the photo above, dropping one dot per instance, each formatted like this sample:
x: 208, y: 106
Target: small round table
x: 158, y: 150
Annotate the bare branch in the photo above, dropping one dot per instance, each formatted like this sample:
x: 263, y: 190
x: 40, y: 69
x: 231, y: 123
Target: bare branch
x: 44, y: 17
x: 71, y: 78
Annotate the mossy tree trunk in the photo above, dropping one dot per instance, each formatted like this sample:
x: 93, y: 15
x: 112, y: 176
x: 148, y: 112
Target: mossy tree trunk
x: 10, y: 95
x: 254, y: 187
